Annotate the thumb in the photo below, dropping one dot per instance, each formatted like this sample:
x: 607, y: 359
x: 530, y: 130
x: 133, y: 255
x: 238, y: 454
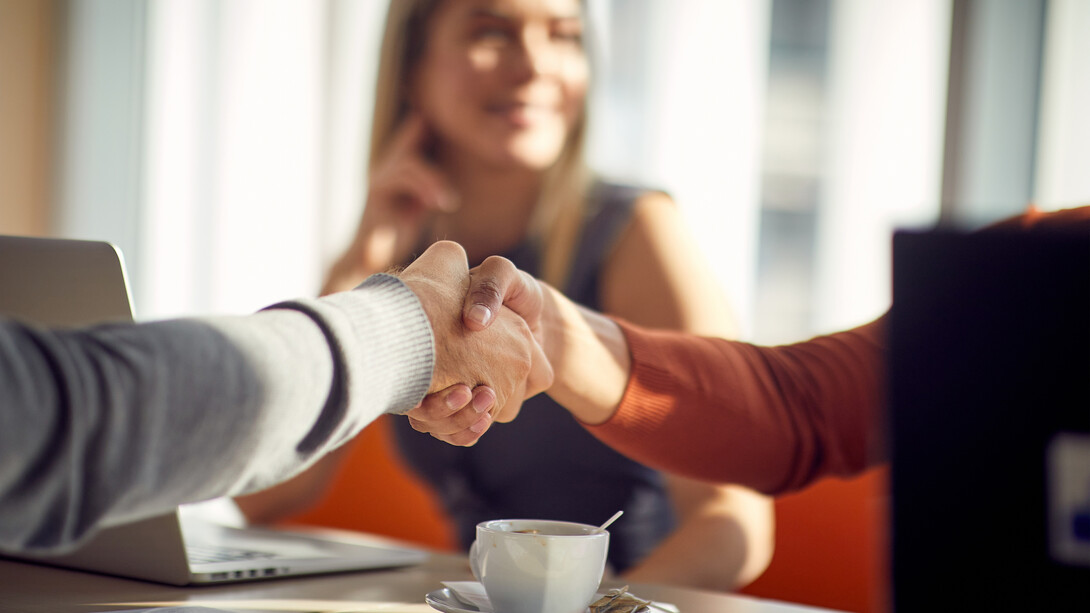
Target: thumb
x: 496, y: 283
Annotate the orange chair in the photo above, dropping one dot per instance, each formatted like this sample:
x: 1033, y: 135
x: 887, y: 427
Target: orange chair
x: 831, y: 546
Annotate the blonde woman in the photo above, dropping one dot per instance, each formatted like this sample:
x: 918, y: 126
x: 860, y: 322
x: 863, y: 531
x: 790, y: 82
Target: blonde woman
x: 477, y: 138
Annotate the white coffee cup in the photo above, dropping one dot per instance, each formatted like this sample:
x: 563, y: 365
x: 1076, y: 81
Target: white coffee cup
x: 539, y: 566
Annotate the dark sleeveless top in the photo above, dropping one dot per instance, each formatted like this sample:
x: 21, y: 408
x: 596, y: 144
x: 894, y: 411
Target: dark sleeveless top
x: 544, y: 465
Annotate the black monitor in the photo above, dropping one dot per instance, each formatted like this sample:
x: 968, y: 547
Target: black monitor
x: 989, y: 421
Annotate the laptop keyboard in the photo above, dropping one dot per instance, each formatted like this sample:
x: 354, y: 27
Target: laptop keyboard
x: 207, y: 554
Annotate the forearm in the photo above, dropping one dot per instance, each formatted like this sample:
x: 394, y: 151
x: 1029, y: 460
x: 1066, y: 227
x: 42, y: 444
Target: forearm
x: 770, y: 418
x: 589, y: 356
x: 723, y: 546
x: 114, y: 423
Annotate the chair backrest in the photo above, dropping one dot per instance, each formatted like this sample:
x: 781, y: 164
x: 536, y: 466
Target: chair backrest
x: 832, y: 546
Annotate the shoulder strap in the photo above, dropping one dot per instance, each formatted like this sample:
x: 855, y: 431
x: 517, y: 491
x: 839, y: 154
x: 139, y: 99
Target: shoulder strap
x: 609, y: 211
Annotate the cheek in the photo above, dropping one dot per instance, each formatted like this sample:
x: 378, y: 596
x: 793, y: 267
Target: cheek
x: 447, y: 95
x: 576, y: 82
x: 480, y: 60
x: 445, y: 78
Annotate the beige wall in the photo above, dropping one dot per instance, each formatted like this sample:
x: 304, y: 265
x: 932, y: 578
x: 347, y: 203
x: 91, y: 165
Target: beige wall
x: 27, y: 101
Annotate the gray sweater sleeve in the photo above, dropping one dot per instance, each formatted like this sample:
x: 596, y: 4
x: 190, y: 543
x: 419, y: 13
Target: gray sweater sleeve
x: 108, y: 424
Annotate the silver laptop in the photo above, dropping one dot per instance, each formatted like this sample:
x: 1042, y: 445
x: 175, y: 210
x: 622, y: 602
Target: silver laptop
x: 60, y: 282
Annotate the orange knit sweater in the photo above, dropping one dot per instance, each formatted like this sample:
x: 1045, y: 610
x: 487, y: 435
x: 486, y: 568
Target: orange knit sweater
x: 771, y: 418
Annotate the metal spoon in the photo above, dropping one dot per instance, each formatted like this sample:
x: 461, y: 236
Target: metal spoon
x: 609, y: 521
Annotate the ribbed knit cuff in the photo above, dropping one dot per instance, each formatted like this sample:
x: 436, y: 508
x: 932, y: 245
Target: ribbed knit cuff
x: 644, y: 405
x: 395, y: 335
x: 381, y: 336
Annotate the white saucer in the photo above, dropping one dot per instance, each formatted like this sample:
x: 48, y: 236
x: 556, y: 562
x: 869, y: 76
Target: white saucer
x: 444, y: 600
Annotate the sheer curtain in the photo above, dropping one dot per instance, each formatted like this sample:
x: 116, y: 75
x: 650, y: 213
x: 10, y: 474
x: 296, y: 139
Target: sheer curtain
x: 1063, y: 160
x: 678, y: 105
x: 792, y: 169
x: 218, y: 143
x: 255, y: 133
x: 883, y: 153
x: 221, y: 143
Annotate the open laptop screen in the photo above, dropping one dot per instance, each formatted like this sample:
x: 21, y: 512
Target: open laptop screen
x: 62, y: 282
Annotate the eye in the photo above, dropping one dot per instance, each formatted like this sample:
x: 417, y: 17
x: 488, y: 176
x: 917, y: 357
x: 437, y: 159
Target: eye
x: 575, y: 38
x: 491, y: 32
x: 568, y: 32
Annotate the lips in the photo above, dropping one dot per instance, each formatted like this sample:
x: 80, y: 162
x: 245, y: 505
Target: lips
x: 521, y: 114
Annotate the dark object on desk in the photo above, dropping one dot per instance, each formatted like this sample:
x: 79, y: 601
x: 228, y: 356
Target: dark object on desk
x: 989, y: 420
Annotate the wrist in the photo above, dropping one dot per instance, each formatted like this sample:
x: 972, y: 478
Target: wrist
x: 440, y: 302
x: 590, y: 359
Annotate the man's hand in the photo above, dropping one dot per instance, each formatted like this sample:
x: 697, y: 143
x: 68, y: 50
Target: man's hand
x: 505, y: 357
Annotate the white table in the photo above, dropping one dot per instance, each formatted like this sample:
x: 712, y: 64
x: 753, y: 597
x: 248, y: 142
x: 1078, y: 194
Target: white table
x: 32, y: 588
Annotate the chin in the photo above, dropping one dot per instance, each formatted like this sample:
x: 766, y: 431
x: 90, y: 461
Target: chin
x: 533, y: 155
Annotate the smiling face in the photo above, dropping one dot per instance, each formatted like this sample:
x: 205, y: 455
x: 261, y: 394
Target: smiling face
x: 503, y: 81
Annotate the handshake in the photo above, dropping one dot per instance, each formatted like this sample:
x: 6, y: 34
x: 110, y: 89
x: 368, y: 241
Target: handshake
x: 501, y: 337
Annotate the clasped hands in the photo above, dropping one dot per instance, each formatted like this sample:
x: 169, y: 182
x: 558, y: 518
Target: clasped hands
x: 502, y: 336
x: 489, y: 353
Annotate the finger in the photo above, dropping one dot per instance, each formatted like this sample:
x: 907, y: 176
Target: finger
x: 452, y: 411
x: 498, y: 282
x: 462, y: 421
x: 469, y: 436
x: 442, y: 404
x: 484, y: 398
x: 409, y: 137
x: 428, y: 185
x: 427, y: 181
x: 444, y: 262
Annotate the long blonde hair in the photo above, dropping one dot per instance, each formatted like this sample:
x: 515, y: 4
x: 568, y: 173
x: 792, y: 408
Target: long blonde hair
x: 558, y: 215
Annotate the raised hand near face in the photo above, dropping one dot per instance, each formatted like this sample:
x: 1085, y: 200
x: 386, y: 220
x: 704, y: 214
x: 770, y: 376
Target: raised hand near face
x: 505, y: 356
x: 405, y: 189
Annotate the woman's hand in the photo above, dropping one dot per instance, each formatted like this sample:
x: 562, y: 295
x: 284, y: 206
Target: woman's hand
x: 406, y: 189
x: 587, y: 351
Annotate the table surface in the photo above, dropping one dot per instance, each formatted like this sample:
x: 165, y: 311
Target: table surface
x: 30, y: 588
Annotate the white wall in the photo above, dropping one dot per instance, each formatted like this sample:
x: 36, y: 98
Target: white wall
x: 680, y: 101
x: 884, y: 148
x: 236, y: 95
x: 1063, y: 157
x: 101, y: 156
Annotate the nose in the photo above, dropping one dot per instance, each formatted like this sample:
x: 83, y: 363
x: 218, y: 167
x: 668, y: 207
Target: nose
x: 534, y: 55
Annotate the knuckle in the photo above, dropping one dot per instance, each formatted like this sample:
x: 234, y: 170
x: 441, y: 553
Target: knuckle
x: 464, y: 438
x: 451, y: 246
x: 487, y: 289
x: 429, y: 410
x: 417, y: 425
x: 497, y: 264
